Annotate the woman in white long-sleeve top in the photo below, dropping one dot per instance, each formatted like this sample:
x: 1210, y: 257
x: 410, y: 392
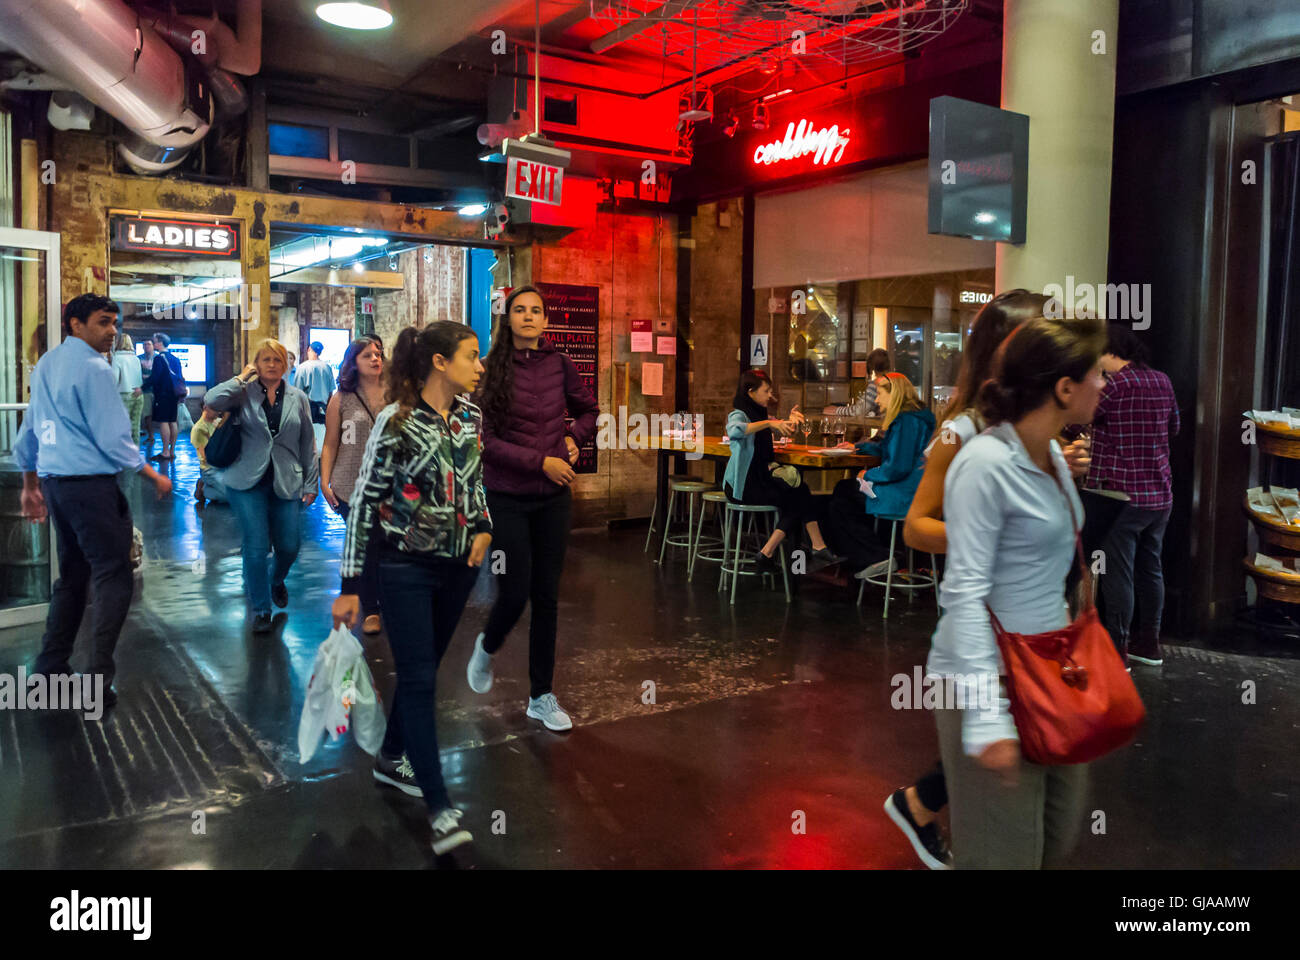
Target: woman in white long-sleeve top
x: 1012, y: 512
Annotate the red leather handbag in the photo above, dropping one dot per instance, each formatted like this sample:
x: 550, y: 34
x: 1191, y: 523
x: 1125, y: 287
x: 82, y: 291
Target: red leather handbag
x: 1071, y: 698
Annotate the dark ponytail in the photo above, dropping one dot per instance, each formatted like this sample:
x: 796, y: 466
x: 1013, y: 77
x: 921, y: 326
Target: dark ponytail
x: 496, y: 391
x: 996, y: 319
x: 413, y: 360
x: 1032, y: 358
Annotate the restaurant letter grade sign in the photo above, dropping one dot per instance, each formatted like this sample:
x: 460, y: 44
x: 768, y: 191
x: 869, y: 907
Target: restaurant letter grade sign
x: 573, y: 328
x: 539, y: 182
x: 194, y: 237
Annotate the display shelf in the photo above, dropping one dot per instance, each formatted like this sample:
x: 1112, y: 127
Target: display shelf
x: 1273, y: 585
x: 1273, y: 532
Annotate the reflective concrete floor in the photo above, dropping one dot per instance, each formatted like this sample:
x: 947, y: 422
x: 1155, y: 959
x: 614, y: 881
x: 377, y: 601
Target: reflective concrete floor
x: 762, y: 712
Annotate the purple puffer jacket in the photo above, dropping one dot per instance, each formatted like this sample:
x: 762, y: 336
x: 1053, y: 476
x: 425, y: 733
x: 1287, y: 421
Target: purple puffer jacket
x: 546, y: 386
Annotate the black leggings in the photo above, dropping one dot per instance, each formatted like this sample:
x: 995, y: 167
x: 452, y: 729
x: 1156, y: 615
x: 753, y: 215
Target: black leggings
x: 851, y: 530
x: 932, y: 788
x: 533, y: 532
x: 794, y: 504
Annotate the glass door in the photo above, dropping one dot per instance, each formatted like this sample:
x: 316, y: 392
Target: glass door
x: 29, y: 326
x: 908, y: 345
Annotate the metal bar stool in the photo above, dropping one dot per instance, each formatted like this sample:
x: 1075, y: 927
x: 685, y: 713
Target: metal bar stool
x: 654, y: 511
x: 918, y: 581
x: 732, y: 559
x: 715, y: 547
x: 691, y: 489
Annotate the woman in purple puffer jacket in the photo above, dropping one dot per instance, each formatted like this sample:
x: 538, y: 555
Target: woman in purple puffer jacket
x: 528, y: 390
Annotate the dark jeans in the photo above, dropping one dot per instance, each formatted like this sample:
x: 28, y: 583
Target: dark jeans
x: 1132, y: 553
x: 852, y: 531
x: 317, y: 411
x: 266, y: 521
x: 92, y: 524
x: 932, y: 789
x: 422, y: 605
x: 533, y: 532
x: 370, y: 572
x: 794, y: 504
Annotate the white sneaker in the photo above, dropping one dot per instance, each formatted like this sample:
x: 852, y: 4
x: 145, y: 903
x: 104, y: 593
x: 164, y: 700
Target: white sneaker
x: 447, y: 831
x: 881, y: 569
x: 479, y: 672
x: 546, y: 709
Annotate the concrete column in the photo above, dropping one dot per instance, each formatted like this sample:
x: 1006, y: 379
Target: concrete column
x: 1058, y: 67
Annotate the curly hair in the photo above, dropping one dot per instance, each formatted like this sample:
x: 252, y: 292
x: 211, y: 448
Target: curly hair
x: 413, y: 359
x: 496, y: 391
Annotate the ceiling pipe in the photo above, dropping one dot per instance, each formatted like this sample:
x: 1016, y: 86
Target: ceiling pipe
x: 238, y: 50
x: 227, y: 92
x: 125, y: 69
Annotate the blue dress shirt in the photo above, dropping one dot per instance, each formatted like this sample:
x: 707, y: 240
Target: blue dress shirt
x: 76, y: 424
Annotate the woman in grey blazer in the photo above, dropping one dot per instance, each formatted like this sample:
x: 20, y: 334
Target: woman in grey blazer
x: 273, y: 477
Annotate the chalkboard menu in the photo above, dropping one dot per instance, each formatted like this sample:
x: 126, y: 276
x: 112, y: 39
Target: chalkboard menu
x: 573, y: 328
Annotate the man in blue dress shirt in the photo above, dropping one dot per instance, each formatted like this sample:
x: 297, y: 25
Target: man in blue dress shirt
x: 72, y: 444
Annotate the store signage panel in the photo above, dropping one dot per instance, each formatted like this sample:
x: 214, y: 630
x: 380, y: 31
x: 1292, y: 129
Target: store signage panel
x: 191, y: 237
x: 975, y: 296
x: 979, y: 170
x: 529, y: 180
x: 824, y: 143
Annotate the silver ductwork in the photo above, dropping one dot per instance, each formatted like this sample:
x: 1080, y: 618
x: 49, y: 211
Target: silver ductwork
x: 112, y: 56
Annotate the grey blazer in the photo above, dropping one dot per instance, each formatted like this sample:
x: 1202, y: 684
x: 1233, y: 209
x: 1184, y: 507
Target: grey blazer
x: 293, y: 449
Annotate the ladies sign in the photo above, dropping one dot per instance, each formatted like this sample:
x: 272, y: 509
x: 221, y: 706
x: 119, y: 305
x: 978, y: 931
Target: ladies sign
x: 826, y: 144
x: 191, y: 237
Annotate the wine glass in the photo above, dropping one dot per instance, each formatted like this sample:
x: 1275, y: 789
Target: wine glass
x: 805, y: 427
x: 838, y: 428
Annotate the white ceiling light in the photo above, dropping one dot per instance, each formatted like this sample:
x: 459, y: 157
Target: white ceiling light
x: 357, y: 14
x: 473, y: 209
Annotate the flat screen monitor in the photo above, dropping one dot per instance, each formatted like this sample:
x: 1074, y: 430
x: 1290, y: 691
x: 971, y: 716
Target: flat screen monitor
x: 193, y: 358
x: 979, y: 170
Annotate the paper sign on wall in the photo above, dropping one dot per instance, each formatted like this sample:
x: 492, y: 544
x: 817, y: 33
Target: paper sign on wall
x: 667, y: 346
x: 642, y: 342
x: 652, y: 379
x: 758, y: 350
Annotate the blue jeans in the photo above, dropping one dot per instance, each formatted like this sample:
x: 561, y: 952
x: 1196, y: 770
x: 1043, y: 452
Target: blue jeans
x: 1132, y: 550
x: 214, y: 484
x: 266, y: 521
x: 422, y: 604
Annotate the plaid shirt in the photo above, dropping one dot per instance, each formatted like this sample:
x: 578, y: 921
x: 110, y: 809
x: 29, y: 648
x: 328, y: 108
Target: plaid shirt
x: 1135, y: 418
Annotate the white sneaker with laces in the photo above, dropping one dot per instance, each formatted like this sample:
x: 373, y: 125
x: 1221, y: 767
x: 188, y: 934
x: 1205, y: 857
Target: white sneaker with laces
x: 546, y: 709
x: 447, y: 831
x: 479, y: 671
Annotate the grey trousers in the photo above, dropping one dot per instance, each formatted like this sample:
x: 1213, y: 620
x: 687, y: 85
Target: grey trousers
x: 995, y: 826
x: 1132, y: 553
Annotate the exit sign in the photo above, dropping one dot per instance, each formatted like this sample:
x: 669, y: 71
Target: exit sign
x: 529, y: 180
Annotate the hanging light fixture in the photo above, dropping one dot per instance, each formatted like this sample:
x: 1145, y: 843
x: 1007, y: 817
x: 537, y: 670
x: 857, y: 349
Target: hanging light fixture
x: 696, y: 108
x: 732, y: 124
x: 761, y: 119
x: 357, y: 14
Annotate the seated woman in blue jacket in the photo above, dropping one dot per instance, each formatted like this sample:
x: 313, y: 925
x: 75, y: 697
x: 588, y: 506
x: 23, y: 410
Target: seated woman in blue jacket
x: 750, y: 478
x: 885, y: 490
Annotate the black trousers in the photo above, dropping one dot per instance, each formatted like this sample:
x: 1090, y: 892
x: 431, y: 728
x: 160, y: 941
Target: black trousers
x: 794, y: 504
x: 533, y: 535
x: 317, y: 411
x: 851, y: 530
x: 369, y: 573
x: 92, y: 522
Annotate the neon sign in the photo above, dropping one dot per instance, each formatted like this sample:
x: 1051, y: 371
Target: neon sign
x: 826, y: 145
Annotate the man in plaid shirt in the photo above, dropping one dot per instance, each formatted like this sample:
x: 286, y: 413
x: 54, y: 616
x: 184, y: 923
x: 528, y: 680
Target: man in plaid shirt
x: 1135, y: 418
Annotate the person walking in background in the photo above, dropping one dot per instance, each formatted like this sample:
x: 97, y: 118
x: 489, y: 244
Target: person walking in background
x: 421, y: 505
x: 146, y: 393
x: 211, y: 484
x: 348, y: 419
x: 130, y: 382
x: 751, y: 473
x: 167, y: 383
x: 877, y: 367
x: 1135, y: 418
x: 316, y: 379
x: 274, y: 475
x: 528, y: 452
x: 293, y: 368
x: 886, y: 489
x: 1012, y: 516
x: 74, y: 440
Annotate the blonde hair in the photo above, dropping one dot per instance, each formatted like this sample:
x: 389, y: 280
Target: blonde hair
x: 276, y: 347
x: 126, y: 343
x: 902, y: 398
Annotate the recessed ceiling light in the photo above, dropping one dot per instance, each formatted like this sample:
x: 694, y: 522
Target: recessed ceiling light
x: 357, y: 14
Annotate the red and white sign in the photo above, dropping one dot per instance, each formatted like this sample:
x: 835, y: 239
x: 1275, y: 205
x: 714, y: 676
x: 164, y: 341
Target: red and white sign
x: 528, y: 180
x: 826, y: 144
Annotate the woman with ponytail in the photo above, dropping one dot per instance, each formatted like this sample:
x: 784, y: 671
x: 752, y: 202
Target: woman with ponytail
x: 1011, y: 515
x: 419, y: 500
x: 529, y: 448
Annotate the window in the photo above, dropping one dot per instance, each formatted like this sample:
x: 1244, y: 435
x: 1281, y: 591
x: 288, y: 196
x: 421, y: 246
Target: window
x: 294, y: 140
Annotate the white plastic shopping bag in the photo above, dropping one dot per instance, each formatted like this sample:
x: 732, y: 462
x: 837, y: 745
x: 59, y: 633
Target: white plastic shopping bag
x: 340, y: 696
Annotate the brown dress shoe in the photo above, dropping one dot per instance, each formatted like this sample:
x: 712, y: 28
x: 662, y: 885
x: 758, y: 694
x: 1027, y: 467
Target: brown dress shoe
x: 372, y: 625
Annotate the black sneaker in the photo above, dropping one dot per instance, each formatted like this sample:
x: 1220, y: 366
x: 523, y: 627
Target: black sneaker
x: 262, y: 623
x: 765, y: 564
x: 397, y: 773
x: 927, y: 841
x: 447, y: 831
x: 280, y: 595
x: 822, y: 558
